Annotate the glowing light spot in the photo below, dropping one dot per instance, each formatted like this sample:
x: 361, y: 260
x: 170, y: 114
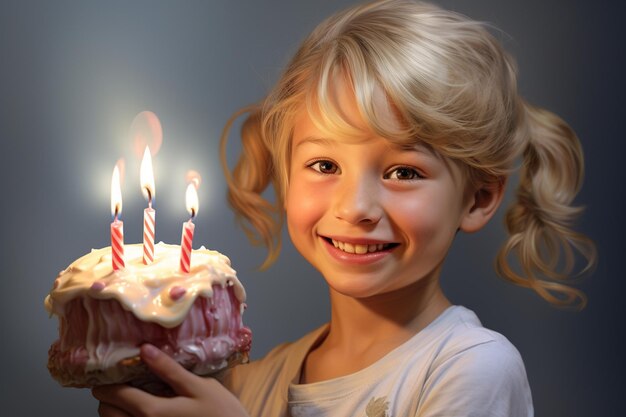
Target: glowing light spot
x: 145, y: 130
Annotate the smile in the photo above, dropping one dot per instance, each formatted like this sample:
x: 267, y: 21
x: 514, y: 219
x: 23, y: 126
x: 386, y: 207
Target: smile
x: 360, y: 249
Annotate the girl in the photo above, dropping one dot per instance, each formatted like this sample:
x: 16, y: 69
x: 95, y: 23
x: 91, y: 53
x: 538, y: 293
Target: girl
x: 395, y: 126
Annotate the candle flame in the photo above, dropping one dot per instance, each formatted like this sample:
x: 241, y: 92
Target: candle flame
x: 194, y: 178
x: 191, y: 200
x: 121, y: 165
x: 147, y: 176
x: 116, y: 193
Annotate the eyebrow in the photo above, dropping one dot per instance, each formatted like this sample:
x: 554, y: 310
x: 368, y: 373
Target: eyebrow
x: 314, y: 140
x: 417, y: 147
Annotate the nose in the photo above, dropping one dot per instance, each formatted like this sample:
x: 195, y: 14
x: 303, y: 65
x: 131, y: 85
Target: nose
x: 357, y: 201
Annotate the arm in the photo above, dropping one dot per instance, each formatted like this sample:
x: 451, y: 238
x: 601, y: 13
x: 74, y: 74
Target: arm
x: 195, y: 395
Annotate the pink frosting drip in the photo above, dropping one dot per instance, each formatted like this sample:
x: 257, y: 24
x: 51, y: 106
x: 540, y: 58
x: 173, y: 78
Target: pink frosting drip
x: 94, y: 331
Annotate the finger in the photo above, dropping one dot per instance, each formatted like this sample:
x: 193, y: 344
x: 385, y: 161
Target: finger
x: 171, y: 372
x: 128, y: 399
x: 108, y: 410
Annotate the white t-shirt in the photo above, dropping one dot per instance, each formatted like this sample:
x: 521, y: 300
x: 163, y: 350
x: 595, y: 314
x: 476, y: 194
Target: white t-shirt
x: 453, y: 367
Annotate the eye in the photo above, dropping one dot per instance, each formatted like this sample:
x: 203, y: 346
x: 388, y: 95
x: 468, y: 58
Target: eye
x: 324, y: 166
x: 403, y: 173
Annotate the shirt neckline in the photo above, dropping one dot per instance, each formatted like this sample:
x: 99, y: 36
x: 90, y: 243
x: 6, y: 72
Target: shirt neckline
x: 343, y: 385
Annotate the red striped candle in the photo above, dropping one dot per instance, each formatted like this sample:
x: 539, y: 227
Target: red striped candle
x: 191, y: 200
x: 148, y: 235
x: 117, y: 226
x: 117, y: 244
x: 185, y: 246
x: 146, y: 175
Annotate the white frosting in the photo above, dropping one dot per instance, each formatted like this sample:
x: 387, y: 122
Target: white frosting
x: 151, y: 292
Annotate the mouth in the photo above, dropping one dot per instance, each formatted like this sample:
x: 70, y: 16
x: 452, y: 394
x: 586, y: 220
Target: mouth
x: 360, y: 248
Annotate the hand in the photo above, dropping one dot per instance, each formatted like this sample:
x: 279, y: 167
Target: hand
x: 107, y: 410
x: 195, y: 395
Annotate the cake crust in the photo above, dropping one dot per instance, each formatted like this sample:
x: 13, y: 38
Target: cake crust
x: 132, y: 370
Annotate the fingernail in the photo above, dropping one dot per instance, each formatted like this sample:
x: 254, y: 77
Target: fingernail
x: 149, y: 351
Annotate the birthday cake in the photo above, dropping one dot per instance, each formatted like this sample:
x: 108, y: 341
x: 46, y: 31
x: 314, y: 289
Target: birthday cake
x: 106, y: 315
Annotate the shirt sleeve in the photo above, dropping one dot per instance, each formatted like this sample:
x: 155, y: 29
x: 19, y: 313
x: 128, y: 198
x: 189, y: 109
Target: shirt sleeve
x: 484, y: 380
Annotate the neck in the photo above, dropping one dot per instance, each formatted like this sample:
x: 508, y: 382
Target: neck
x: 363, y: 330
x: 391, y: 317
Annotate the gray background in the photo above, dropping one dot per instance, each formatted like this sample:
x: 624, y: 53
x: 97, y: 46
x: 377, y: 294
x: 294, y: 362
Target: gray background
x: 74, y: 74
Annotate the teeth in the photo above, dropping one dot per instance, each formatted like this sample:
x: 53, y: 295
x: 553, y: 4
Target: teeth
x: 359, y: 249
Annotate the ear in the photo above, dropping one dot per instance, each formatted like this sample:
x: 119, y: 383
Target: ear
x: 482, y: 205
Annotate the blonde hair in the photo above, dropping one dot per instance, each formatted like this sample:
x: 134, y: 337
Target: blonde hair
x: 454, y: 88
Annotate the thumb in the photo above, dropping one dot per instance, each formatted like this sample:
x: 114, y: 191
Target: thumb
x: 168, y: 370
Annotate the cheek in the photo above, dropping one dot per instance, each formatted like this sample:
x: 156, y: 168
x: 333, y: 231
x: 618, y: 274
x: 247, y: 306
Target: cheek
x: 426, y: 220
x: 305, y: 206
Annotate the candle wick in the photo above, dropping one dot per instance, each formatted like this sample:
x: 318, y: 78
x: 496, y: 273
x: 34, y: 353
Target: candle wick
x: 193, y: 214
x: 150, y: 203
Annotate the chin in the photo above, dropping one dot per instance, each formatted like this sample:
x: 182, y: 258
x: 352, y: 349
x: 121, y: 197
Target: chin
x: 356, y: 287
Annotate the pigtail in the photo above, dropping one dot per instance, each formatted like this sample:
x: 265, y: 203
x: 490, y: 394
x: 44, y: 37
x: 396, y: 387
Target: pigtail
x: 539, y: 223
x: 260, y: 219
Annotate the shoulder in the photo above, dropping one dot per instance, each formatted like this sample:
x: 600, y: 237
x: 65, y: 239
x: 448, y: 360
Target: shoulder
x: 275, y: 371
x: 493, y: 361
x: 467, y: 339
x: 477, y: 368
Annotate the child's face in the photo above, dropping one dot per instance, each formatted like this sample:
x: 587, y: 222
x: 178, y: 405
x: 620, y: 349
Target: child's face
x: 370, y: 216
